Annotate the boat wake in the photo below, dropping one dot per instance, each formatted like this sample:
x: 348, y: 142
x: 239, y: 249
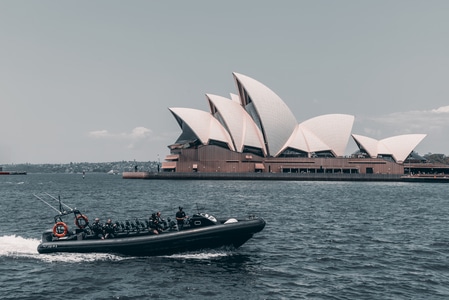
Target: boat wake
x: 18, y: 247
x: 211, y: 254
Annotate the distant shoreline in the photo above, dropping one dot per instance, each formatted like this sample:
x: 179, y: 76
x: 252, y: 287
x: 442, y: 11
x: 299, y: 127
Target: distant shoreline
x: 80, y: 167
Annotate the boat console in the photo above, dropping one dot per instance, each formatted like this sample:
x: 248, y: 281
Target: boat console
x: 201, y: 220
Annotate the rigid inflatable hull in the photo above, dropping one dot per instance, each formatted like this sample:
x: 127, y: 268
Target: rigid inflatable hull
x: 216, y: 236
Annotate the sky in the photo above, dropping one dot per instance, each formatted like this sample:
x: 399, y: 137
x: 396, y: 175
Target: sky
x: 92, y: 81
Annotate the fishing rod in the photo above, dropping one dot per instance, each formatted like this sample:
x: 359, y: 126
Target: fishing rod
x: 47, y: 203
x: 59, y: 201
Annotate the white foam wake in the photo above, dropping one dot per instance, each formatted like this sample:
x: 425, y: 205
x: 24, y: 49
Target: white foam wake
x: 12, y: 245
x: 201, y: 255
x: 19, y: 247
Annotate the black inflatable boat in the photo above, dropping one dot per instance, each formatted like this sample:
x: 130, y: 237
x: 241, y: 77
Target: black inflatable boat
x: 137, y: 238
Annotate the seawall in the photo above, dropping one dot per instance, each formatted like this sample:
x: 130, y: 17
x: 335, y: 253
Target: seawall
x: 283, y: 177
x: 262, y: 176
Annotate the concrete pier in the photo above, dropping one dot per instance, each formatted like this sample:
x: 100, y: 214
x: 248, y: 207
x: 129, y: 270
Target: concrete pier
x: 262, y: 176
x: 136, y: 175
x: 284, y: 176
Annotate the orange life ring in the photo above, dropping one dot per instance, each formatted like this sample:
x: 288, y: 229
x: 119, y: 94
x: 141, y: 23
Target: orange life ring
x: 57, y: 229
x: 81, y: 221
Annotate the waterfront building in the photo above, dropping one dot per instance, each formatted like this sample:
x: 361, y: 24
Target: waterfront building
x: 255, y: 131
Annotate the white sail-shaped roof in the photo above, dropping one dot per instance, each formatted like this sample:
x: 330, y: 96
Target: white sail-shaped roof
x: 269, y: 112
x: 322, y: 133
x: 235, y: 98
x: 203, y: 124
x: 314, y: 143
x: 333, y: 130
x: 304, y: 140
x: 297, y: 141
x: 243, y: 130
x: 369, y: 145
x: 399, y: 147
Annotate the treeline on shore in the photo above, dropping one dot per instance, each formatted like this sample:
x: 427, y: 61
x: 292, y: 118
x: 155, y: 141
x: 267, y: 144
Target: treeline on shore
x: 101, y: 167
x: 437, y: 158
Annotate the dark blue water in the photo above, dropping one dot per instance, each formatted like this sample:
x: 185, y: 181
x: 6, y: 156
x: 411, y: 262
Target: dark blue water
x: 323, y: 240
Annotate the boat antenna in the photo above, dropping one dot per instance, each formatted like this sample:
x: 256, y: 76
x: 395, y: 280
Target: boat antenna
x: 199, y: 208
x: 47, y: 203
x: 59, y: 200
x: 60, y: 205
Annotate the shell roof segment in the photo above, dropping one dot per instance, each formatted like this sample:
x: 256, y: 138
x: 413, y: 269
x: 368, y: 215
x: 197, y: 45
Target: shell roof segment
x: 202, y: 124
x: 333, y: 130
x: 270, y: 113
x: 399, y: 147
x: 369, y: 145
x: 237, y: 121
x: 323, y: 133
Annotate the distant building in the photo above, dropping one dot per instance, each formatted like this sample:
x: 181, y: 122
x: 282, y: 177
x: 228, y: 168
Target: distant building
x: 255, y: 131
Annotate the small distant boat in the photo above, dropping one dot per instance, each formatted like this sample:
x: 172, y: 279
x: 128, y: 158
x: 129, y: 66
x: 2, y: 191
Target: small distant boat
x: 113, y: 172
x: 201, y: 231
x: 11, y: 172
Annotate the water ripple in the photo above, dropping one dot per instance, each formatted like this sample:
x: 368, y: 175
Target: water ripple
x: 323, y: 240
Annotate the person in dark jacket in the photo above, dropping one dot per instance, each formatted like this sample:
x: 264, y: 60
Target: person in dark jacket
x: 109, y: 229
x: 97, y: 229
x: 180, y: 218
x: 162, y: 223
x: 155, y: 227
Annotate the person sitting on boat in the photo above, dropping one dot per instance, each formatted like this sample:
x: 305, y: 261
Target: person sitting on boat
x: 97, y: 229
x: 109, y: 229
x: 180, y: 218
x: 155, y: 227
x: 162, y: 223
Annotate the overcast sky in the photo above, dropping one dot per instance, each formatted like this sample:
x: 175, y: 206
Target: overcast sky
x: 91, y: 81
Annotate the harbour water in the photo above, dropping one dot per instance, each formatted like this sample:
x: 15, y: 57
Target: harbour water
x: 323, y: 240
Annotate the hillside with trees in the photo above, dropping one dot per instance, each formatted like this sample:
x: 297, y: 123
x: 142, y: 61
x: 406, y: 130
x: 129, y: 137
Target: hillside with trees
x: 116, y: 167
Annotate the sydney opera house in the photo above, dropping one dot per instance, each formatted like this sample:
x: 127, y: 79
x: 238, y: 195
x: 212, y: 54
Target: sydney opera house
x: 255, y: 131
